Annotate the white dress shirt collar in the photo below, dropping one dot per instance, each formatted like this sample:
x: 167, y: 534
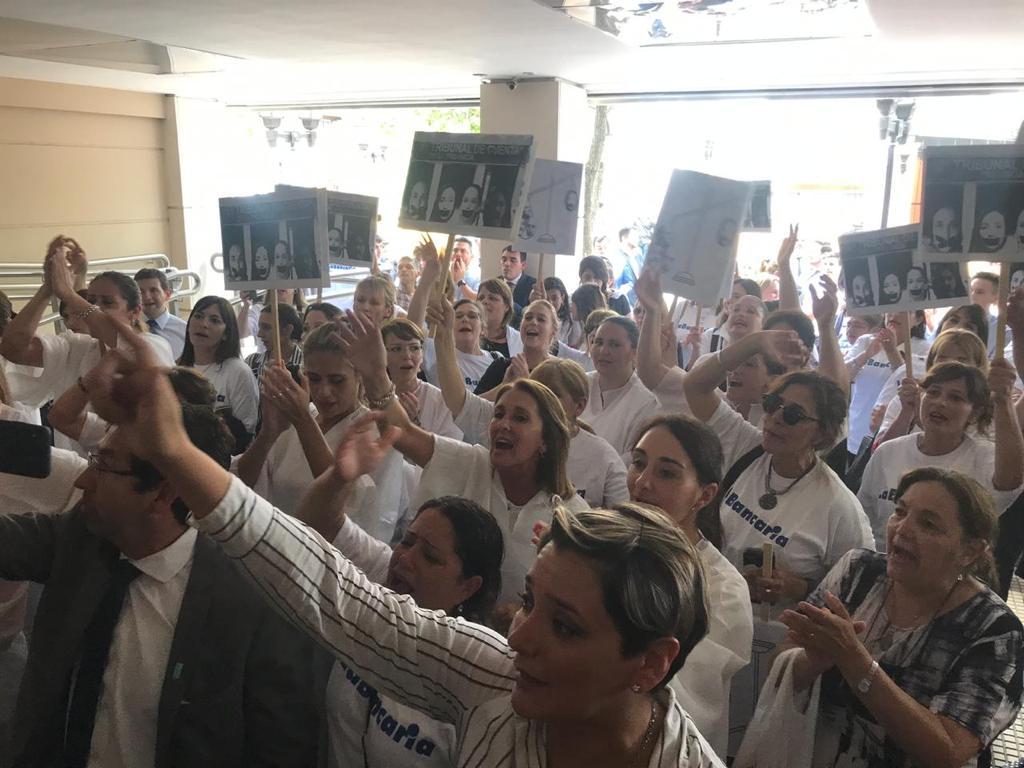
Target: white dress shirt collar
x: 168, y: 562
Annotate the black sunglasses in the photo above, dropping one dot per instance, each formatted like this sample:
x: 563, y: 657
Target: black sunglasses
x: 792, y: 414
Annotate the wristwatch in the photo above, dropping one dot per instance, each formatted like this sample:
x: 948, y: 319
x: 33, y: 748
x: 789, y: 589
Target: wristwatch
x: 461, y: 283
x: 865, y: 682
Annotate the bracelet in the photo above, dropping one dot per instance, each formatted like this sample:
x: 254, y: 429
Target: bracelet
x: 865, y: 682
x: 379, y: 404
x: 85, y: 312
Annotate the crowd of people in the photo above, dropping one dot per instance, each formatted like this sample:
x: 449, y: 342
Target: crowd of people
x: 508, y: 521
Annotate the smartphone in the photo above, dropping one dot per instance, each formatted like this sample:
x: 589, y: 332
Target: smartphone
x: 24, y: 449
x: 753, y: 556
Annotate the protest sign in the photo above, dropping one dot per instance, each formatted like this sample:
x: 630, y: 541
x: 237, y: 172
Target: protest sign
x: 467, y: 184
x: 695, y: 238
x: 882, y: 272
x: 274, y: 240
x: 973, y: 203
x: 552, y: 211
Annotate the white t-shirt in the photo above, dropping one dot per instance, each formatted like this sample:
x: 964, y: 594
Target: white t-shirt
x: 617, y: 414
x: 465, y: 470
x: 363, y: 726
x: 376, y: 503
x: 814, y: 524
x: 702, y: 685
x: 472, y: 367
x: 45, y: 496
x: 580, y: 356
x: 236, y: 389
x: 864, y: 390
x: 975, y: 458
x: 67, y: 356
x: 596, y: 470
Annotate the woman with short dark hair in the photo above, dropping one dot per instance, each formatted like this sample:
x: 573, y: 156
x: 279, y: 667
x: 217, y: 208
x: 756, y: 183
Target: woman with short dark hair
x: 919, y: 661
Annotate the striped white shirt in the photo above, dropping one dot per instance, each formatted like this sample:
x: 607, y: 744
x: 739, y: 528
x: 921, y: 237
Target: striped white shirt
x: 452, y: 670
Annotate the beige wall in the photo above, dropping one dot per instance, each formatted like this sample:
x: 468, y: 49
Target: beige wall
x: 86, y: 162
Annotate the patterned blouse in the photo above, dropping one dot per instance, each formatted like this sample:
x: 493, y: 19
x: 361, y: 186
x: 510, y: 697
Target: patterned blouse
x: 965, y: 665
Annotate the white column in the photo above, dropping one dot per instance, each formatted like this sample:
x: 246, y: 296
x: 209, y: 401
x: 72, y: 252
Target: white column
x: 194, y: 149
x: 557, y: 115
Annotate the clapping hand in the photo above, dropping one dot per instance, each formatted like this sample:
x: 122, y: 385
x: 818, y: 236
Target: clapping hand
x: 517, y: 369
x: 363, y: 345
x: 362, y: 449
x: 828, y: 635
x: 411, y: 403
x: 289, y: 397
x: 129, y: 389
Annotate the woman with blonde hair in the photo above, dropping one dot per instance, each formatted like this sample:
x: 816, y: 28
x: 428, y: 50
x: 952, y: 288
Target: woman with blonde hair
x: 295, y: 441
x: 375, y: 297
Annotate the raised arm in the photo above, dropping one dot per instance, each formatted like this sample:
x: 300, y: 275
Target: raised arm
x: 1015, y: 322
x: 1009, y: 468
x: 18, y: 343
x: 428, y: 278
x: 437, y: 664
x: 701, y: 385
x: 830, y: 357
x: 364, y: 346
x: 789, y: 296
x: 272, y: 426
x: 650, y: 366
x: 67, y: 414
x: 292, y: 400
x: 449, y: 377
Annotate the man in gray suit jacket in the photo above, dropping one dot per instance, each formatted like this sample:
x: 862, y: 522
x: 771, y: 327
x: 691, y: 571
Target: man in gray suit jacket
x: 195, y: 670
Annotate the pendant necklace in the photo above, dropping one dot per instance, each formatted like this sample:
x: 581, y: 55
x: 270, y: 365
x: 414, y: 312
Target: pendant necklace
x: 770, y: 498
x: 648, y: 734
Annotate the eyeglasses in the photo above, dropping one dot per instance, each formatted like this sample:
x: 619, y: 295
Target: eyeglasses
x: 792, y: 414
x: 95, y: 463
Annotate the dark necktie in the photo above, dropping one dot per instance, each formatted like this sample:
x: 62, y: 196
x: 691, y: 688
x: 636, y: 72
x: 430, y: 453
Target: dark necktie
x: 92, y: 664
x: 154, y: 326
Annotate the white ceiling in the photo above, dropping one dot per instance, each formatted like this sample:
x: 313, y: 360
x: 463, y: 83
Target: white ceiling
x: 312, y: 50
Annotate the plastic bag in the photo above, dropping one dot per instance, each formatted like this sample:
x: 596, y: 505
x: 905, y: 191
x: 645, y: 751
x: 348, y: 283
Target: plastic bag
x: 781, y: 733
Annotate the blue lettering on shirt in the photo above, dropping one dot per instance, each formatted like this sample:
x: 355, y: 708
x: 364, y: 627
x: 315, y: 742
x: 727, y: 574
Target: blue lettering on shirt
x: 771, y: 532
x: 400, y: 734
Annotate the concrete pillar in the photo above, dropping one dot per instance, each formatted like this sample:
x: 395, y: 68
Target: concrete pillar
x: 557, y: 115
x: 195, y: 170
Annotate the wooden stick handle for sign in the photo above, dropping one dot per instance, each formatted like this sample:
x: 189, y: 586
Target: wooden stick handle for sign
x: 319, y: 295
x: 767, y: 569
x: 442, y: 277
x: 1004, y: 297
x: 907, y: 352
x: 700, y: 310
x: 276, y: 314
x: 672, y: 309
x: 540, y: 270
